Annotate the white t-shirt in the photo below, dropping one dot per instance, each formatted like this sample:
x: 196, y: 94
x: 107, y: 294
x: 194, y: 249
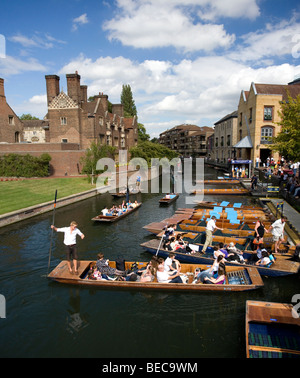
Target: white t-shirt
x: 277, y: 228
x: 162, y: 277
x: 211, y: 225
x: 70, y: 238
x: 167, y: 264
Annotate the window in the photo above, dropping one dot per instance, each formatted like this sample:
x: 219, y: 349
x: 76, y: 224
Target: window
x: 63, y: 120
x: 64, y: 140
x: 11, y: 120
x: 266, y: 135
x: 268, y: 113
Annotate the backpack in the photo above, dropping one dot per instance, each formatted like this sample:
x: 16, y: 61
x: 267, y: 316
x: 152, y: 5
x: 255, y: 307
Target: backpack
x: 120, y: 263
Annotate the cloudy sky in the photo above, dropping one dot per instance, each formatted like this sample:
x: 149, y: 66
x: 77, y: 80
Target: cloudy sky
x: 185, y: 60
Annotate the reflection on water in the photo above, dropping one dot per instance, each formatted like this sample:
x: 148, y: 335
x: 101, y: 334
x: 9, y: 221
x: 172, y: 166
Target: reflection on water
x: 47, y: 319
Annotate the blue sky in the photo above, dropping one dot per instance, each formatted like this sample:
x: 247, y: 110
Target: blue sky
x: 185, y: 60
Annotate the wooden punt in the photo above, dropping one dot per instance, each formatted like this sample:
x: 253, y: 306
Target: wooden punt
x: 272, y: 330
x: 238, y: 279
x: 220, y: 181
x: 236, y: 205
x: 282, y: 267
x: 229, y: 191
x: 114, y: 218
x: 167, y: 201
x: 123, y: 193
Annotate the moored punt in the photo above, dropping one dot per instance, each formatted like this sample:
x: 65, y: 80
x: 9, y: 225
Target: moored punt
x: 220, y: 181
x: 282, y: 267
x: 167, y: 200
x: 236, y: 205
x: 272, y: 330
x: 229, y: 191
x: 114, y: 218
x: 238, y: 279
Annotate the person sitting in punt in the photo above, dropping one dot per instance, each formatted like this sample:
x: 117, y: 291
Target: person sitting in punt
x: 234, y: 254
x: 221, y: 278
x: 266, y: 258
x: 104, y: 211
x: 167, y: 277
x: 210, y: 272
x: 104, y: 268
x: 171, y: 264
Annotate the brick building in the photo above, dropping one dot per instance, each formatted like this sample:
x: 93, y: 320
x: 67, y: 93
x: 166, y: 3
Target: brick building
x: 258, y: 118
x: 187, y: 140
x: 225, y: 137
x: 70, y: 126
x: 11, y: 128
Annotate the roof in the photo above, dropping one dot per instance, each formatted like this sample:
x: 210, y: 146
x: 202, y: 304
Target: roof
x: 228, y: 116
x: 244, y: 143
x: 276, y: 89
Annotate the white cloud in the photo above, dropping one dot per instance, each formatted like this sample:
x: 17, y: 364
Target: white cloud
x: 81, y: 20
x: 13, y: 66
x: 144, y: 24
x: 274, y: 41
x: 166, y: 93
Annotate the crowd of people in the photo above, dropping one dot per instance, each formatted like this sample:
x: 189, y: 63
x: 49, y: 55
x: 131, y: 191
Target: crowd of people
x: 119, y: 210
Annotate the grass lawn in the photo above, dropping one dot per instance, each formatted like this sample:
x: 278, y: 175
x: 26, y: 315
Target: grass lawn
x: 15, y: 195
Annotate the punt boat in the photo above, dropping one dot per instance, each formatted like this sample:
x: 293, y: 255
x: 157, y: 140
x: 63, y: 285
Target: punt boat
x: 114, y: 218
x: 238, y: 279
x: 281, y: 267
x: 236, y: 205
x: 229, y: 191
x: 166, y: 201
x: 272, y: 330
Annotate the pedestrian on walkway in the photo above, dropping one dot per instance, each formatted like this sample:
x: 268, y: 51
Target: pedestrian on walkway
x: 70, y: 243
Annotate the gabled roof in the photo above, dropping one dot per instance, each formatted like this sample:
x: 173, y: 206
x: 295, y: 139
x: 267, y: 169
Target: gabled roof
x: 244, y: 143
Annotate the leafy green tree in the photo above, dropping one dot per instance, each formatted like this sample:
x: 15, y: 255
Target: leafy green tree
x: 93, y: 154
x: 128, y: 102
x: 287, y: 142
x: 142, y: 133
x: 148, y: 150
x: 26, y: 117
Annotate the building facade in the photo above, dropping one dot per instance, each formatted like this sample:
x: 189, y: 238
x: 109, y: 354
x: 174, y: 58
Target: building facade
x: 258, y: 119
x: 225, y: 137
x: 11, y: 128
x: 71, y: 124
x: 187, y: 140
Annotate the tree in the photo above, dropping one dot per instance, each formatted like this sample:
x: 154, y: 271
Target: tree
x: 93, y: 154
x: 142, y: 134
x: 128, y: 102
x: 287, y: 142
x: 26, y: 117
x: 148, y: 150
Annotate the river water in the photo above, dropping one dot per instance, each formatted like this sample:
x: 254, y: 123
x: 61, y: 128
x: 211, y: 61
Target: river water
x: 48, y: 319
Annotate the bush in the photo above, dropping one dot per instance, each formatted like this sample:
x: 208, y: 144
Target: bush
x: 14, y: 165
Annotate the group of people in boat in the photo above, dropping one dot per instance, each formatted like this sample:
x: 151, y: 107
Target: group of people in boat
x: 119, y: 210
x: 163, y: 270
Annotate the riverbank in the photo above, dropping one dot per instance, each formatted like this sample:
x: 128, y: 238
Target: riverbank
x: 37, y: 209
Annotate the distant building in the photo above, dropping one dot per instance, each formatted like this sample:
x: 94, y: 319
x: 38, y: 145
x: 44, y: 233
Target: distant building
x: 187, y: 140
x: 225, y: 137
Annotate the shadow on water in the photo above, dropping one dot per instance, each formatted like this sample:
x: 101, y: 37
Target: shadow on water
x: 47, y: 319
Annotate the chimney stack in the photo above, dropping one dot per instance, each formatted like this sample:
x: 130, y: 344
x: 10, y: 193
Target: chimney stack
x: 73, y: 84
x: 52, y: 85
x: 2, y: 94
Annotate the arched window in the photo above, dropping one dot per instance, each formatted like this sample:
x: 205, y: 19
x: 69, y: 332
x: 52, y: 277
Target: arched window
x: 266, y: 135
